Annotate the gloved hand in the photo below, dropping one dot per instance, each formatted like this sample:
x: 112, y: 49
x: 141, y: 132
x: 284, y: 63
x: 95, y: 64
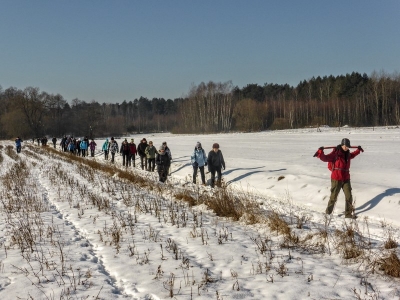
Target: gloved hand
x: 205, y: 164
x: 360, y: 148
x: 319, y: 152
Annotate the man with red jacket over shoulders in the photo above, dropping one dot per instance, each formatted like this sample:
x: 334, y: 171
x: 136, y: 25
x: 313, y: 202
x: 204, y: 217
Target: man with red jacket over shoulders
x: 339, y: 163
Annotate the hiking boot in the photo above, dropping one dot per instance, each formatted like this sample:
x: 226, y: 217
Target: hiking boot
x: 350, y: 216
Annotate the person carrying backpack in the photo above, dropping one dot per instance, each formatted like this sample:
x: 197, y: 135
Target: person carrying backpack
x: 339, y: 163
x: 199, y: 161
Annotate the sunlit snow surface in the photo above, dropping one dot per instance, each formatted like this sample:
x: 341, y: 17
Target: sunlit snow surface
x: 254, y: 162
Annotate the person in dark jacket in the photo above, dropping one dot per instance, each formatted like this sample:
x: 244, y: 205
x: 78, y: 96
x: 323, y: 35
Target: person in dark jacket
x: 18, y: 144
x: 125, y: 152
x: 215, y: 162
x: 199, y: 161
x: 141, y: 148
x: 132, y: 153
x: 163, y: 162
x: 339, y: 160
x: 54, y: 140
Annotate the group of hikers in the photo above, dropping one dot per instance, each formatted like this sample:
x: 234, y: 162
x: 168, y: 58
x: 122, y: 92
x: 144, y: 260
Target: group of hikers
x: 150, y: 157
x: 76, y: 146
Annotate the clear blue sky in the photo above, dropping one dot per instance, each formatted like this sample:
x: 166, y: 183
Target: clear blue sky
x: 117, y: 50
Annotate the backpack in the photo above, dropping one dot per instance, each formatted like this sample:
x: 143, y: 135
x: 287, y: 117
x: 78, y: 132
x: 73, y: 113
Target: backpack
x: 331, y: 164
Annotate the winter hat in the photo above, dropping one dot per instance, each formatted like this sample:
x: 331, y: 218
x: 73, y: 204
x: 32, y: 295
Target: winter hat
x: 150, y: 142
x: 161, y: 148
x: 345, y: 142
x: 216, y: 145
x: 132, y: 140
x: 112, y: 138
x: 198, y: 145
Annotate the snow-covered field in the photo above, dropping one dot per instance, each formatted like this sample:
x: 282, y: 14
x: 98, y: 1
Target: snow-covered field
x: 93, y: 235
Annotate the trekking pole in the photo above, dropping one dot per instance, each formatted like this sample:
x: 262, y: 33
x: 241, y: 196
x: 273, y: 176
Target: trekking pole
x: 333, y: 147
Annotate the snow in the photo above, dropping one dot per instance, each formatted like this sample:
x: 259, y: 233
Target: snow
x: 127, y: 249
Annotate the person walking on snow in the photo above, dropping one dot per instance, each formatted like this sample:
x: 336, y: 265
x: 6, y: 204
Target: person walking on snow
x: 132, y: 153
x: 168, y: 152
x: 339, y: 163
x: 199, y: 161
x: 106, y: 148
x: 215, y: 161
x: 125, y: 152
x: 18, y: 144
x: 163, y: 162
x: 84, y: 147
x: 113, y: 149
x: 141, y: 148
x: 92, y: 146
x: 151, y: 153
x: 54, y: 140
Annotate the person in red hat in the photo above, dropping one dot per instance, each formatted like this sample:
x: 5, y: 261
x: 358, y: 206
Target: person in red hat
x: 215, y: 162
x: 339, y: 163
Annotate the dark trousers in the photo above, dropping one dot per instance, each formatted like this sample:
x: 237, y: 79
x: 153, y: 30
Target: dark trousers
x: 143, y: 162
x: 213, y: 171
x: 106, y: 154
x: 163, y: 173
x: 151, y: 164
x: 131, y: 159
x: 112, y: 156
x: 336, y: 186
x: 92, y: 152
x: 203, y: 177
x: 125, y: 159
x: 83, y: 152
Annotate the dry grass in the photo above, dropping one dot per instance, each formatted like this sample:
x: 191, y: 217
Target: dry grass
x: 390, y: 265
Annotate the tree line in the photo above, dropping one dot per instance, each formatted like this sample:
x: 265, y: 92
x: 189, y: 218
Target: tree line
x: 353, y: 99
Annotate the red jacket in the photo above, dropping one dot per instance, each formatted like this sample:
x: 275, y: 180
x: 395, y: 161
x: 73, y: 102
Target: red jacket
x: 341, y: 165
x: 132, y: 148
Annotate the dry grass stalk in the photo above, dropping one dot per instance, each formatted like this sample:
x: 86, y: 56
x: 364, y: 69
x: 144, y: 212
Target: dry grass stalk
x: 390, y: 265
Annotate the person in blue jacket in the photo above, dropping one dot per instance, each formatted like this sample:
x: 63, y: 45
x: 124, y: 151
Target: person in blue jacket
x: 199, y: 161
x: 18, y: 144
x: 84, y: 146
x: 106, y: 149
